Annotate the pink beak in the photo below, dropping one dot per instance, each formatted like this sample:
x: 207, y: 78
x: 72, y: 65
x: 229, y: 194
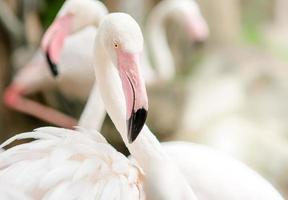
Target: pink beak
x: 53, y: 40
x: 134, y: 91
x: 197, y: 27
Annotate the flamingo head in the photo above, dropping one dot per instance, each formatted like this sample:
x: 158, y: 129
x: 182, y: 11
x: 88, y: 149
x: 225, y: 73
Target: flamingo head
x: 188, y: 13
x: 122, y: 38
x: 73, y: 16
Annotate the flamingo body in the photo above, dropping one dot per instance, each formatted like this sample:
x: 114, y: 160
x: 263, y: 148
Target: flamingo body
x: 69, y: 156
x: 67, y: 164
x: 77, y: 60
x: 61, y: 162
x: 214, y: 175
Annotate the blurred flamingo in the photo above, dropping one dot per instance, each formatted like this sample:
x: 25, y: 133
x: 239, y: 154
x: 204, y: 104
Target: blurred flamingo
x: 248, y: 119
x: 185, y: 12
x: 70, y: 57
x: 74, y: 58
x: 69, y: 165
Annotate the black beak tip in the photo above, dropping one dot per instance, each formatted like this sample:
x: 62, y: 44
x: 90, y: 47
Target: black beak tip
x: 53, y: 67
x: 136, y: 123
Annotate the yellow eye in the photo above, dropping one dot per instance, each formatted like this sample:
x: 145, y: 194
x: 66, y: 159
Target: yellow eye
x: 116, y: 45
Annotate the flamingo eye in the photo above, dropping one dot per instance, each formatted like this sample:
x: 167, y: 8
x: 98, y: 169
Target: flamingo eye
x: 116, y: 45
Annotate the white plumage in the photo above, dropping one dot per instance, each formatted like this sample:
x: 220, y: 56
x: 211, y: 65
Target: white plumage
x: 67, y: 164
x: 198, y: 173
x: 7, y: 191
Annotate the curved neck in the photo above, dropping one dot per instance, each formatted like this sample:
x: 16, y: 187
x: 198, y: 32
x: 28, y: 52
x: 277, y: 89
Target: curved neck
x: 94, y: 113
x: 110, y: 87
x: 161, y: 53
x: 160, y: 172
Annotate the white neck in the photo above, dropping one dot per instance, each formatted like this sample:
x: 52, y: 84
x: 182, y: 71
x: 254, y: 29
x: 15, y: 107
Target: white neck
x: 146, y: 149
x: 161, y: 53
x: 94, y: 113
x: 110, y: 87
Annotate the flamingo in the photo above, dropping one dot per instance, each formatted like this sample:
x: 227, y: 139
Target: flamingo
x: 185, y: 12
x: 197, y: 28
x: 7, y: 191
x: 74, y: 58
x: 68, y: 57
x: 80, y: 164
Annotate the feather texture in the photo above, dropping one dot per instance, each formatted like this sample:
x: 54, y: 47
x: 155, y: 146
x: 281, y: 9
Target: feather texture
x: 67, y: 164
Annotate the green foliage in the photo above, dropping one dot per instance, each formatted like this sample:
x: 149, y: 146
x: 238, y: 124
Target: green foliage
x: 255, y: 14
x: 252, y: 34
x: 51, y: 9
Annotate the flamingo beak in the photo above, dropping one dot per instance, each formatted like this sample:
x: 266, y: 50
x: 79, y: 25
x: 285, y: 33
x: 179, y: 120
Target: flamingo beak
x: 197, y: 28
x: 134, y: 91
x: 53, y: 41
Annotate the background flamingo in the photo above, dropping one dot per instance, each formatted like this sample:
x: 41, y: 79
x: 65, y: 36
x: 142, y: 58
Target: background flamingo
x: 74, y: 59
x: 233, y: 23
x: 119, y: 43
x: 186, y: 11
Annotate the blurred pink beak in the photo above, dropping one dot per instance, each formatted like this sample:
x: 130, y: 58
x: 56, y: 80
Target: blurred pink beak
x: 53, y: 40
x: 134, y: 91
x: 197, y: 28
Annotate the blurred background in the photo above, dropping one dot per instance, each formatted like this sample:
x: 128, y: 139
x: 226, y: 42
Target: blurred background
x: 229, y: 92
